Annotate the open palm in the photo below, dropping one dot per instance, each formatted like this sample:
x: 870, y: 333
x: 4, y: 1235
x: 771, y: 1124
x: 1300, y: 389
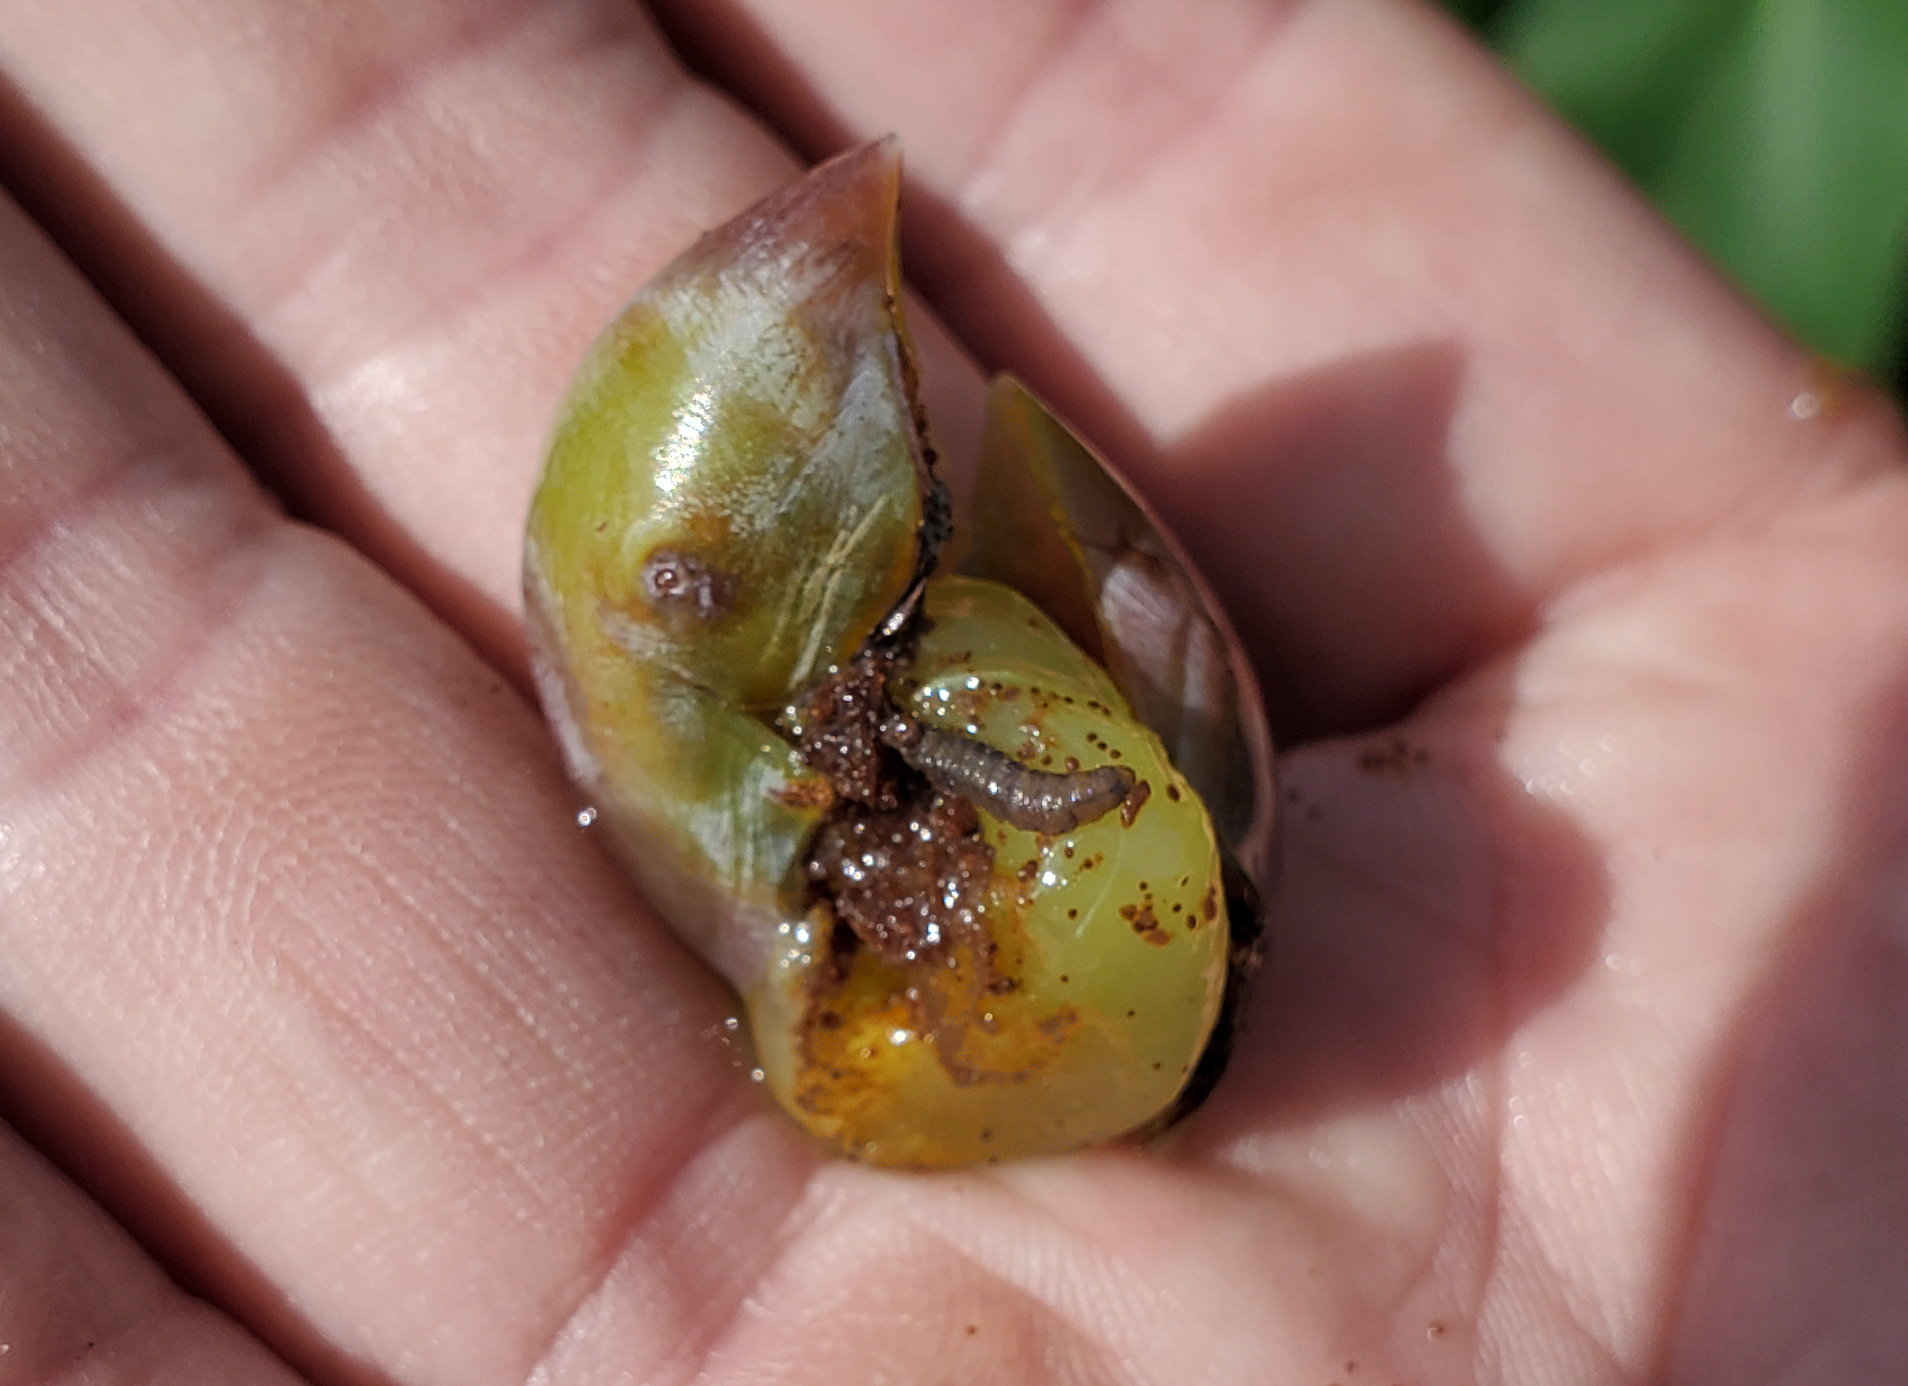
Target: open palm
x: 1580, y: 596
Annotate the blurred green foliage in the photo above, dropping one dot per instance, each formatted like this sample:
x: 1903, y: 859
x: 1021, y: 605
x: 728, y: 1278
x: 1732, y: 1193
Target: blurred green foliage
x: 1774, y: 133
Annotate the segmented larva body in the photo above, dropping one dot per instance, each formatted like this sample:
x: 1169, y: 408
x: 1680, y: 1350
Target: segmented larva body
x: 1038, y: 801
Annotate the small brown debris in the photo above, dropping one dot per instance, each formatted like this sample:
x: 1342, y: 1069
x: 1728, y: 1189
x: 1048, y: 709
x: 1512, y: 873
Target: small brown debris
x: 1145, y: 924
x: 815, y: 794
x: 1394, y: 757
x: 837, y: 725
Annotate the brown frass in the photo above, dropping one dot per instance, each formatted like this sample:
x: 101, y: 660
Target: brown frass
x: 901, y: 861
x: 837, y: 722
x: 900, y: 864
x: 907, y: 880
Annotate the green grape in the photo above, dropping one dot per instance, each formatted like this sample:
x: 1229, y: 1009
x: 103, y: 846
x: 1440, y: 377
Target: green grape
x: 973, y: 908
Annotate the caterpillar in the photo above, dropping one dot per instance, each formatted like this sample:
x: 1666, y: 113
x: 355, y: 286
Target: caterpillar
x: 1039, y: 801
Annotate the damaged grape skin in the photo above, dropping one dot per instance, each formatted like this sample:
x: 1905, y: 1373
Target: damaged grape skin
x: 734, y: 496
x: 739, y: 501
x: 1111, y: 937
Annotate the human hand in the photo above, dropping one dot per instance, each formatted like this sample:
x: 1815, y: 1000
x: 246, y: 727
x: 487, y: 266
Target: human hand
x: 1581, y: 1047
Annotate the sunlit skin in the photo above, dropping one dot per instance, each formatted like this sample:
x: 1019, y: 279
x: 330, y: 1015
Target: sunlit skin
x: 1579, y: 1054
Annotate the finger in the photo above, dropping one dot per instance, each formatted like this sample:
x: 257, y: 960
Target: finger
x: 377, y: 247
x: 80, y: 1301
x: 1572, y: 913
x: 306, y: 964
x: 1401, y: 358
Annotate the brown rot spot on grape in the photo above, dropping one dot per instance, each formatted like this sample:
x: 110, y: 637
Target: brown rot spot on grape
x: 685, y: 589
x: 1059, y: 1025
x: 1134, y: 801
